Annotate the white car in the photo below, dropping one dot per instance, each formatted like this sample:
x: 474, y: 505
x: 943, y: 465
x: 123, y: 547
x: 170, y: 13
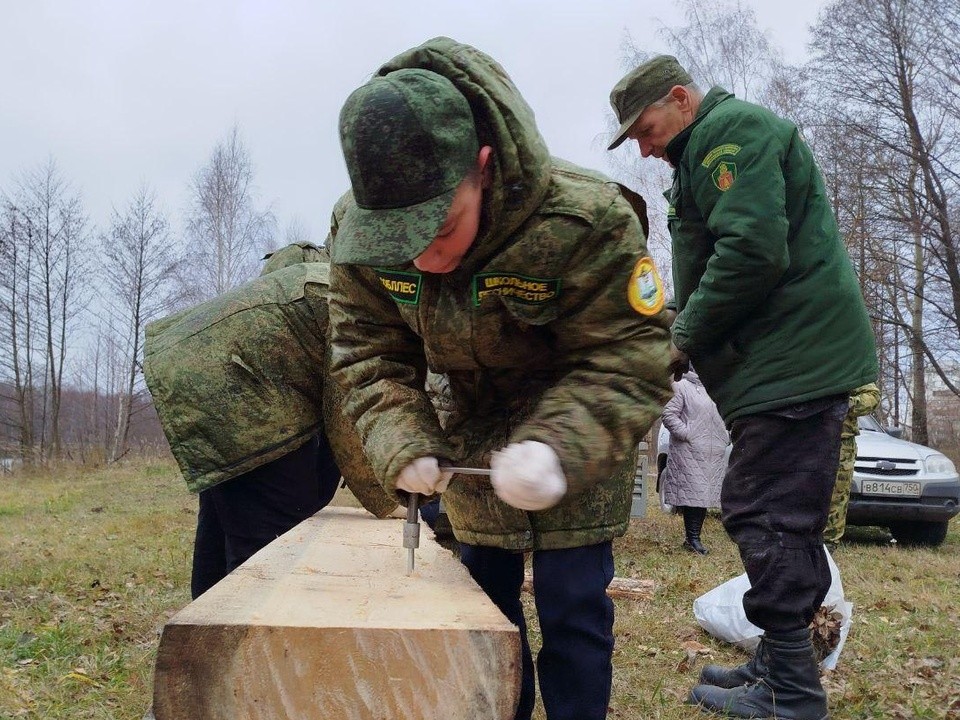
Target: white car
x: 910, y: 489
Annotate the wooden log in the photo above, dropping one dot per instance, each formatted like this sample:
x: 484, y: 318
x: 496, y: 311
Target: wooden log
x: 324, y: 624
x: 627, y: 588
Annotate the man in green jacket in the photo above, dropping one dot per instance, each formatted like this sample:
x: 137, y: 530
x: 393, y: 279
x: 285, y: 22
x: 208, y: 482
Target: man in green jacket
x: 465, y: 249
x: 770, y: 312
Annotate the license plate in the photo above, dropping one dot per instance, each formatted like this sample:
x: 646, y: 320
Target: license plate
x: 893, y: 488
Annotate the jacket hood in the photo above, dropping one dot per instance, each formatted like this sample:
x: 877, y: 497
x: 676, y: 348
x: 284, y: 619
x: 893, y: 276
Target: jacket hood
x: 691, y: 376
x: 505, y: 122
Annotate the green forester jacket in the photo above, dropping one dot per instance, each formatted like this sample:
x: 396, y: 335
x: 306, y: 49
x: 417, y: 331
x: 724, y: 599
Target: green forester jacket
x: 536, y: 331
x: 770, y: 311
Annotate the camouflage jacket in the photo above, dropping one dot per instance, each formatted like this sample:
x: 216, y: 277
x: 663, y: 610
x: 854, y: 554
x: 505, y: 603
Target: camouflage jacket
x: 294, y: 254
x: 863, y: 401
x: 238, y: 380
x: 219, y: 373
x: 550, y: 330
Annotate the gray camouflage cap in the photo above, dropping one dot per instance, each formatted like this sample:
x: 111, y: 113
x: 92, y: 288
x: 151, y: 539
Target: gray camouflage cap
x: 409, y: 140
x: 642, y: 87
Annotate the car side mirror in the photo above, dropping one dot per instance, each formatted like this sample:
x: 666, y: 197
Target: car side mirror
x: 896, y: 432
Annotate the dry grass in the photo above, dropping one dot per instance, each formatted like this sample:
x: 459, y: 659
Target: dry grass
x: 93, y: 562
x: 900, y: 660
x: 91, y: 565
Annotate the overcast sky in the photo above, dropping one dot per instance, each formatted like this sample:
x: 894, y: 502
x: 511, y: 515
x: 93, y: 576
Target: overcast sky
x: 120, y: 92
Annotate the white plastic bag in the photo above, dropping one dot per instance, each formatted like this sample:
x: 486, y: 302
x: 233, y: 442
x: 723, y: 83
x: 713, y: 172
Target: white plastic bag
x: 720, y: 613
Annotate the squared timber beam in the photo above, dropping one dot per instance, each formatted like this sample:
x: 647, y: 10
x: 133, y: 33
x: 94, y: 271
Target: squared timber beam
x: 324, y: 624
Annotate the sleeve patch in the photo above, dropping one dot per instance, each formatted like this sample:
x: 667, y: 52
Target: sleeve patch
x: 645, y: 289
x: 724, y: 175
x: 718, y: 152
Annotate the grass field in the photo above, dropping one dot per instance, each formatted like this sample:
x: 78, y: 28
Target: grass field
x: 92, y: 562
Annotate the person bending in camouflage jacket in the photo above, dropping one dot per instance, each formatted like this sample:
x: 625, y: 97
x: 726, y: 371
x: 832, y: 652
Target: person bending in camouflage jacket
x: 465, y: 249
x: 238, y: 384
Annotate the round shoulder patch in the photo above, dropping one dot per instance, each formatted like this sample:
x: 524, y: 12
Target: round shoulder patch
x: 645, y: 290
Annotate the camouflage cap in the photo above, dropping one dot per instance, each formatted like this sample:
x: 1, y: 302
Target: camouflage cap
x: 408, y: 139
x: 641, y: 87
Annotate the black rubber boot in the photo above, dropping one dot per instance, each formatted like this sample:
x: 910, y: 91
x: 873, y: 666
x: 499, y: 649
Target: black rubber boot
x: 747, y: 674
x: 693, y: 518
x: 790, y: 690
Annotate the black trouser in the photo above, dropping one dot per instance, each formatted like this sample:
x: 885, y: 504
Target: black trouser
x: 775, y: 501
x: 240, y: 516
x: 575, y: 663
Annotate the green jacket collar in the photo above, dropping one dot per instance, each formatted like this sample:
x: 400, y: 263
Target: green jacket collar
x: 676, y: 146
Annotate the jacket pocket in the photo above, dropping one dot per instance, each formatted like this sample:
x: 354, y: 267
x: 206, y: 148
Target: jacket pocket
x: 716, y: 367
x: 532, y: 313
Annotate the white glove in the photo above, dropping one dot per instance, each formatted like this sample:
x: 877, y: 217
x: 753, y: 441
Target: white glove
x: 423, y: 476
x: 528, y: 475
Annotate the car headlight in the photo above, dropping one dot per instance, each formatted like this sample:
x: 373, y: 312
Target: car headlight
x: 939, y: 464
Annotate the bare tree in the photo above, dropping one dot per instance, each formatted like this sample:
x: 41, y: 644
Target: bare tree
x: 140, y: 267
x: 226, y: 230
x: 721, y: 44
x: 16, y: 326
x: 297, y: 232
x: 43, y: 290
x: 887, y: 70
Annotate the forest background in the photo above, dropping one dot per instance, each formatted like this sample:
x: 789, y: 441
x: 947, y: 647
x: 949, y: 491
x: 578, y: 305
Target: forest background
x: 878, y: 100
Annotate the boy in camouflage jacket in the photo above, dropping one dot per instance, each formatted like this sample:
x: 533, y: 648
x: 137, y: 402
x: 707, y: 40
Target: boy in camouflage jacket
x: 465, y: 249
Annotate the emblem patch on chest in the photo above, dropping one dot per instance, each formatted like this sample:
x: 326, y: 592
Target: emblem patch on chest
x: 404, y: 287
x: 523, y: 289
x: 645, y: 290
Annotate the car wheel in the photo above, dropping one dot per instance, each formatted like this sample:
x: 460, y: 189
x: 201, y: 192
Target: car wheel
x: 919, y: 533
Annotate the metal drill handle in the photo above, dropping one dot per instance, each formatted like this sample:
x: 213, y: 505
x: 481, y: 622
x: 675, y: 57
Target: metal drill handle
x: 411, y: 530
x: 465, y: 470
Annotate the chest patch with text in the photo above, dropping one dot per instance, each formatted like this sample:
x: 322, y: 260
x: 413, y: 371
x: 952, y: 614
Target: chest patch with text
x: 523, y: 289
x: 404, y: 287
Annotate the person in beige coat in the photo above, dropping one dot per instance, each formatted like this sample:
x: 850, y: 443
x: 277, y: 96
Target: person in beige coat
x: 696, y: 463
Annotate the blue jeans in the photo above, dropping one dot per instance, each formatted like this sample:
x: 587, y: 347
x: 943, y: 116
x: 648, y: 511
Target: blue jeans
x: 575, y: 662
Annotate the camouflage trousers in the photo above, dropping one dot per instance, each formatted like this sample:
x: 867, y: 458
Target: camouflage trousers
x: 837, y: 519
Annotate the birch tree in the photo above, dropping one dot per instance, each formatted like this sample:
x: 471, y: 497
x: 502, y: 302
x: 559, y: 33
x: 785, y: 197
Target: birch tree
x: 140, y: 267
x: 225, y: 228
